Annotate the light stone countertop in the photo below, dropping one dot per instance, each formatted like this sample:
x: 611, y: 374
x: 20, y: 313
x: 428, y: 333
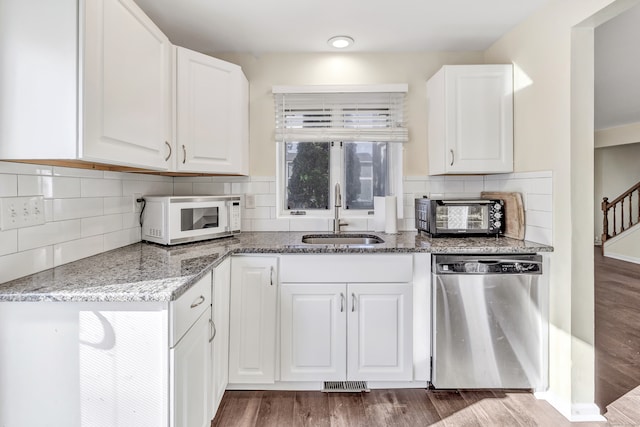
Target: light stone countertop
x: 149, y: 272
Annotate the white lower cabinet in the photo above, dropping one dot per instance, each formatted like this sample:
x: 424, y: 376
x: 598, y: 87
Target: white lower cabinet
x: 219, y: 340
x: 334, y: 332
x: 192, y: 369
x: 252, y: 339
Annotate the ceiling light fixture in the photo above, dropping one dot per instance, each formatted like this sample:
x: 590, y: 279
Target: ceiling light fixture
x: 340, y: 42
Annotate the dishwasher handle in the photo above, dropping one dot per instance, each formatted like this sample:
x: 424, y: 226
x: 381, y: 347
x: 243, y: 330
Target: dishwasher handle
x: 494, y: 265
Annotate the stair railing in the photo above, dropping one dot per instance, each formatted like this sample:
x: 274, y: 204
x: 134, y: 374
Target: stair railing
x: 625, y: 215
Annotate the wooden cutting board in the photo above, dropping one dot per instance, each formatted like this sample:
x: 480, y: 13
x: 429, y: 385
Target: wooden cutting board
x: 514, y: 212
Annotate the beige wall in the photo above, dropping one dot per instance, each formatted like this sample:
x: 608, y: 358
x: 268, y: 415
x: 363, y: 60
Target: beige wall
x: 268, y: 70
x: 616, y: 170
x: 553, y: 126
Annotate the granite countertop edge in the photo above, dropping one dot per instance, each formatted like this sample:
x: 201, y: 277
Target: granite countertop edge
x: 179, y: 267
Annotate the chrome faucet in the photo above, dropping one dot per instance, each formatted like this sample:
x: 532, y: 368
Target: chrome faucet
x: 337, y: 205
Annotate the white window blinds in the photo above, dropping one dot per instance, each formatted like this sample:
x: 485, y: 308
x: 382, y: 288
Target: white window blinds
x: 316, y: 113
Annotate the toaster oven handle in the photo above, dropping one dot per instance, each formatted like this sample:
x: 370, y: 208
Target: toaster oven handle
x: 453, y: 157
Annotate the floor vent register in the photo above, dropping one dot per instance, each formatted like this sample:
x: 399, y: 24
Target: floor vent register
x: 345, y: 386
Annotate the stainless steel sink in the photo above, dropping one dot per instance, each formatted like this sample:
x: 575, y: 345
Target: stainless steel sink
x: 341, y: 239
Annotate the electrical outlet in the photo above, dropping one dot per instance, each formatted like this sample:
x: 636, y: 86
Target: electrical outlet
x: 18, y: 212
x: 137, y: 206
x: 250, y: 201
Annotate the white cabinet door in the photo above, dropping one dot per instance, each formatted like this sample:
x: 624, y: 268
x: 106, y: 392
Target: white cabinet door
x: 470, y: 119
x: 190, y: 361
x: 211, y: 115
x: 313, y: 332
x: 380, y: 335
x: 126, y: 81
x: 252, y: 339
x: 220, y: 341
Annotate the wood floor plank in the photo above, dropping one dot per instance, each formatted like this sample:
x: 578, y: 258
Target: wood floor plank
x: 276, y: 409
x: 410, y: 407
x: 311, y: 408
x: 452, y: 409
x: 530, y: 411
x: 347, y: 410
x: 238, y: 409
x: 488, y: 408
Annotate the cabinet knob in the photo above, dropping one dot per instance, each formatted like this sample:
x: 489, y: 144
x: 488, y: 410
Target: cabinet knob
x: 197, y: 302
x: 168, y: 155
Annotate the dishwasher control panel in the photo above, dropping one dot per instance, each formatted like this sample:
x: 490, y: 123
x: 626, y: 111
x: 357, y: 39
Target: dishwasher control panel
x: 528, y: 264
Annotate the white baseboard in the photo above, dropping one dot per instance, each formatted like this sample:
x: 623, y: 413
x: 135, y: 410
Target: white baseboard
x: 574, y: 412
x: 622, y: 257
x: 316, y: 385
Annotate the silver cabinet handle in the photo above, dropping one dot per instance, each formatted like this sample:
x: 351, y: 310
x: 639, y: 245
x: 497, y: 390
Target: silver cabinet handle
x: 353, y: 302
x: 168, y: 155
x: 184, y: 154
x: 197, y: 302
x: 215, y: 331
x: 341, y: 302
x: 452, y: 157
x: 271, y: 276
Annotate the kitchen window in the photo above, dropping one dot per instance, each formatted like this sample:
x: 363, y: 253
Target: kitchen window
x: 351, y: 135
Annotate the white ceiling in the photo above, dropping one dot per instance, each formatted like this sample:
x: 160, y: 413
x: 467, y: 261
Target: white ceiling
x: 258, y: 26
x: 617, y: 70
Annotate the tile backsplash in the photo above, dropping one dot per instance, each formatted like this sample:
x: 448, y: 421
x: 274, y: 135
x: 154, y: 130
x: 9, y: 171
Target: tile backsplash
x: 88, y: 211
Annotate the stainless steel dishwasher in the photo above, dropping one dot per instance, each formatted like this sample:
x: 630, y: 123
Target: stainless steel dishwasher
x: 489, y: 327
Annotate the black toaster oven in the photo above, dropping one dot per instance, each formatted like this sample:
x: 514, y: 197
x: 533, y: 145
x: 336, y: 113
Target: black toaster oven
x: 469, y: 217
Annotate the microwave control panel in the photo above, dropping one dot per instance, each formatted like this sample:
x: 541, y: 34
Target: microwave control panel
x: 234, y: 217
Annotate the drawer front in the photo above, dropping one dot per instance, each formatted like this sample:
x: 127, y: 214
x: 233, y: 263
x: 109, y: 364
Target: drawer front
x: 372, y: 268
x: 184, y: 311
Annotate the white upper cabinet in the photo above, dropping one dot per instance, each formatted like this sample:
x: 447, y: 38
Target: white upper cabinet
x: 97, y: 88
x: 127, y: 86
x: 470, y: 119
x: 212, y: 115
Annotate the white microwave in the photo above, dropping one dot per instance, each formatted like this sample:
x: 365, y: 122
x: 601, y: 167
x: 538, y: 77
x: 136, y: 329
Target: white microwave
x: 170, y: 220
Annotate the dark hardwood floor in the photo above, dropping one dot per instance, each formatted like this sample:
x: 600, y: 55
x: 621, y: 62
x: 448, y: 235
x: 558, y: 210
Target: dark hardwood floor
x: 617, y: 328
x: 617, y: 362
x: 383, y: 408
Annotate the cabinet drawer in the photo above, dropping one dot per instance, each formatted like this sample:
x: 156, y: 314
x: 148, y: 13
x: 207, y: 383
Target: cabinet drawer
x: 346, y: 268
x: 184, y: 311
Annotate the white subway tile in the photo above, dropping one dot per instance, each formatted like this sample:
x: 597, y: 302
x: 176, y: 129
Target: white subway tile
x: 8, y: 185
x: 131, y: 220
x: 261, y: 212
x: 265, y: 199
x: 239, y: 187
x: 48, y: 234
x: 539, y: 219
x: 78, y: 173
x: 117, y: 239
x: 24, y: 169
x: 309, y: 224
x: 147, y: 188
x: 8, y: 242
x: 77, y: 208
x: 192, y: 179
x: 100, y: 225
x: 115, y: 175
x: 182, y: 189
x: 35, y: 185
x: 539, y: 235
x: 270, y: 224
x: 407, y: 224
x: 100, y: 187
x: 21, y: 264
x: 208, y: 188
x: 474, y: 186
x: 76, y: 249
x: 256, y: 188
x: 273, y: 187
x: 453, y: 185
x: 246, y: 224
x: 539, y: 202
x: 48, y: 210
x: 116, y: 205
x: 539, y: 186
x: 355, y: 224
x: 64, y: 187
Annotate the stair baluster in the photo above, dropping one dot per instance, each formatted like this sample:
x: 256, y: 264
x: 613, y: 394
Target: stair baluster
x: 612, y: 206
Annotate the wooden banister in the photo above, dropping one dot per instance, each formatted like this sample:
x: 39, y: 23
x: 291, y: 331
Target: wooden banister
x: 619, y: 201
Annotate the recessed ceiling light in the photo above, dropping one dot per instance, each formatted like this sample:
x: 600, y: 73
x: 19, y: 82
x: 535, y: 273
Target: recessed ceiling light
x: 340, y: 42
